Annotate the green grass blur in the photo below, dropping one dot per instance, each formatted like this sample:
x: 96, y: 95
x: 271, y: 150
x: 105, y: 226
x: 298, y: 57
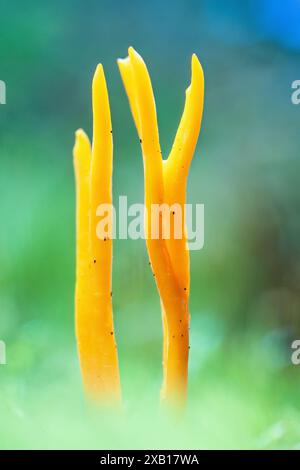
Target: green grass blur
x: 244, y: 391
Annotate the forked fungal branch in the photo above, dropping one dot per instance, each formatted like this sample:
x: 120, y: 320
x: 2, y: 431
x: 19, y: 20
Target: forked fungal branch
x: 165, y: 182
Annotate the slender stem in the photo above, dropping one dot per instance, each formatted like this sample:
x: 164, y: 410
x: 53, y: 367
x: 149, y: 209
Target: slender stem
x: 96, y: 342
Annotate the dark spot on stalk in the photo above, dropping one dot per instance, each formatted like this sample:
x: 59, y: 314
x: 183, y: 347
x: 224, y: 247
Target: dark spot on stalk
x: 94, y: 261
x: 111, y: 332
x: 140, y: 141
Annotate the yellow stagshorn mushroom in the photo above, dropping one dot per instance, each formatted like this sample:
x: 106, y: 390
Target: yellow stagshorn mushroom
x: 165, y: 183
x: 93, y: 303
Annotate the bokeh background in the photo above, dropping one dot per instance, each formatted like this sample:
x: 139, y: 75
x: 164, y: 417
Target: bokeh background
x: 244, y: 391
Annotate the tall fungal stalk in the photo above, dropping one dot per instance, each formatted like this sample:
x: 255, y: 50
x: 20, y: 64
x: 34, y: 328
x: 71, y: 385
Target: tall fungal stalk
x: 165, y: 183
x: 93, y: 301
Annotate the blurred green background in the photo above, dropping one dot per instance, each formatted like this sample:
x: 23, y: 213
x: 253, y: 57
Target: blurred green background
x: 244, y: 391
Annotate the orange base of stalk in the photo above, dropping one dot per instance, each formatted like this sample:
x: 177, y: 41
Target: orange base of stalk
x: 175, y: 362
x: 97, y: 352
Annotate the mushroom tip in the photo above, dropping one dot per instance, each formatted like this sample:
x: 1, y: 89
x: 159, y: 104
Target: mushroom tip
x: 133, y: 54
x: 78, y: 133
x: 99, y: 72
x: 196, y: 65
x: 197, y: 71
x: 81, y: 140
x: 195, y: 61
x: 123, y: 61
x: 99, y: 68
